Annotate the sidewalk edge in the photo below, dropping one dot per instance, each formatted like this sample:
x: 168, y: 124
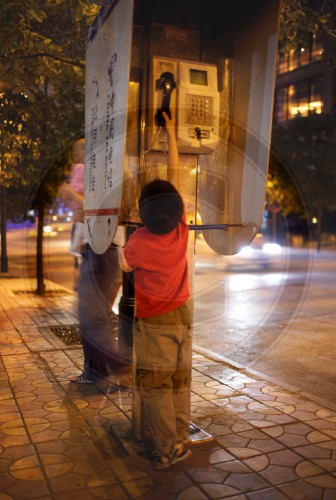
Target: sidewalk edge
x: 249, y: 371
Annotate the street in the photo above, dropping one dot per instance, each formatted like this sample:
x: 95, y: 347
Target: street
x: 275, y: 322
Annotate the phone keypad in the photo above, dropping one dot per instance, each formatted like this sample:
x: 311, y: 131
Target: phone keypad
x: 199, y: 109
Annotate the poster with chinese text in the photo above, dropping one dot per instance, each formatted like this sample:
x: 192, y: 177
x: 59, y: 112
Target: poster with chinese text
x: 107, y: 76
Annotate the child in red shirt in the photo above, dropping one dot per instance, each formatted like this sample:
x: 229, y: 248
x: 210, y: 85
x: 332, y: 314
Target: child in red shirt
x: 157, y: 253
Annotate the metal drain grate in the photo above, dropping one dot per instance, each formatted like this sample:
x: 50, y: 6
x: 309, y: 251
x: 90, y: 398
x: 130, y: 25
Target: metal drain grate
x: 47, y: 293
x: 69, y: 334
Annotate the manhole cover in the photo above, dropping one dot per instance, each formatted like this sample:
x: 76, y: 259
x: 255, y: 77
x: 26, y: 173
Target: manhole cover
x: 69, y: 334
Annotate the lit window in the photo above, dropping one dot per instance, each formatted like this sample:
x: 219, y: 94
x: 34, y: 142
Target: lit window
x: 282, y: 62
x: 304, y: 56
x: 312, y: 51
x: 316, y: 97
x: 301, y: 99
x: 281, y: 104
x: 293, y: 59
x: 292, y: 101
x: 317, y: 48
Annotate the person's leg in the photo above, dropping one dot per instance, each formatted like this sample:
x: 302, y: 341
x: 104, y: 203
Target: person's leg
x: 182, y: 375
x: 76, y: 261
x: 109, y: 276
x: 76, y: 264
x: 112, y: 298
x: 114, y: 292
x: 109, y: 280
x: 96, y: 275
x: 156, y: 354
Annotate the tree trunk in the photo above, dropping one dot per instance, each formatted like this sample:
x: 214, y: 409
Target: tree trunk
x: 39, y: 249
x: 4, y: 259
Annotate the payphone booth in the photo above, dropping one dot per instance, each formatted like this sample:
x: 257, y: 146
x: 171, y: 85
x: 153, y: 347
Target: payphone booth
x: 212, y: 63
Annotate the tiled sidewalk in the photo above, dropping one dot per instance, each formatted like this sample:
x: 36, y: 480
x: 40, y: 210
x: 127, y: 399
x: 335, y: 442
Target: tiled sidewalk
x: 269, y: 442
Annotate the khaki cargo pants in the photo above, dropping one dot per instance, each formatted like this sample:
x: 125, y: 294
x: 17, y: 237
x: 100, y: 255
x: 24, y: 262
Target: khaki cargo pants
x: 163, y: 346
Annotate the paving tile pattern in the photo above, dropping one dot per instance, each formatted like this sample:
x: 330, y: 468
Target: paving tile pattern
x: 55, y: 441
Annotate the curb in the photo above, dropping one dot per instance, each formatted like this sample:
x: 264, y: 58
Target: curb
x: 249, y: 371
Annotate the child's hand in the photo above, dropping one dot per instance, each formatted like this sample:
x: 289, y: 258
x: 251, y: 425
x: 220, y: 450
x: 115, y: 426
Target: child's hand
x: 170, y: 124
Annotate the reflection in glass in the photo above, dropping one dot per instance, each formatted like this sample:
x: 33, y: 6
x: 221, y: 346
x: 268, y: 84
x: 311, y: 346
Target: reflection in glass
x: 292, y: 101
x: 317, y: 51
x: 282, y: 62
x: 281, y: 104
x: 316, y: 99
x: 304, y: 56
x: 302, y: 98
x: 293, y: 62
x: 300, y: 56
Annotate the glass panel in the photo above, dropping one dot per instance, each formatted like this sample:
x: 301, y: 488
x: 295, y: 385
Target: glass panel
x: 317, y: 48
x: 281, y: 105
x: 198, y: 77
x: 292, y: 102
x: 293, y: 59
x: 304, y: 56
x: 303, y: 98
x: 282, y: 63
x: 316, y: 99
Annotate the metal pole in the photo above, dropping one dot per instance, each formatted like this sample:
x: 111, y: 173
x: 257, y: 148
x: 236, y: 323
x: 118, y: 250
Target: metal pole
x: 195, y: 227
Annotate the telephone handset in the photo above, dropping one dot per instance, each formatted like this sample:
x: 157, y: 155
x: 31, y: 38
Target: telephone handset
x: 167, y: 84
x: 195, y: 104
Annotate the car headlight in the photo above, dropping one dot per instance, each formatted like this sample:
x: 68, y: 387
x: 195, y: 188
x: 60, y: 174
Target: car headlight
x: 272, y: 248
x: 246, y: 251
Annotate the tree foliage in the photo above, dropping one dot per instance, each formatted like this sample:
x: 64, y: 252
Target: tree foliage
x: 47, y: 35
x: 302, y: 164
x: 283, y: 187
x: 42, y: 63
x: 299, y: 19
x: 301, y: 176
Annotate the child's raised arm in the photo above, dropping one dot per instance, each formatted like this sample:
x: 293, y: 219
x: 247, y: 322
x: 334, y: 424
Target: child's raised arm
x: 173, y: 158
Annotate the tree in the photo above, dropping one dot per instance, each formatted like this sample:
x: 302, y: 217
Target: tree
x: 304, y: 151
x: 42, y: 63
x: 299, y: 19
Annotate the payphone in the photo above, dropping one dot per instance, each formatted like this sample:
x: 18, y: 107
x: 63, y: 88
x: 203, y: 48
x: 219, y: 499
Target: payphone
x: 195, y: 103
x: 232, y: 187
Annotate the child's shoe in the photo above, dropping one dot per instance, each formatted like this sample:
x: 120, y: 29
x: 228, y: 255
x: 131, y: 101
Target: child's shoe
x: 179, y: 453
x: 160, y: 463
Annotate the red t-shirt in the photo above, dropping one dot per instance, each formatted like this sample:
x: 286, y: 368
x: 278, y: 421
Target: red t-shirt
x: 160, y: 269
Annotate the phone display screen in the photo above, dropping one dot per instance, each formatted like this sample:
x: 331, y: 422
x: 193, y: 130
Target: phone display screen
x: 198, y: 77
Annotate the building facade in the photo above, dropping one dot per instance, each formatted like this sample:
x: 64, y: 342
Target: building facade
x: 306, y: 76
